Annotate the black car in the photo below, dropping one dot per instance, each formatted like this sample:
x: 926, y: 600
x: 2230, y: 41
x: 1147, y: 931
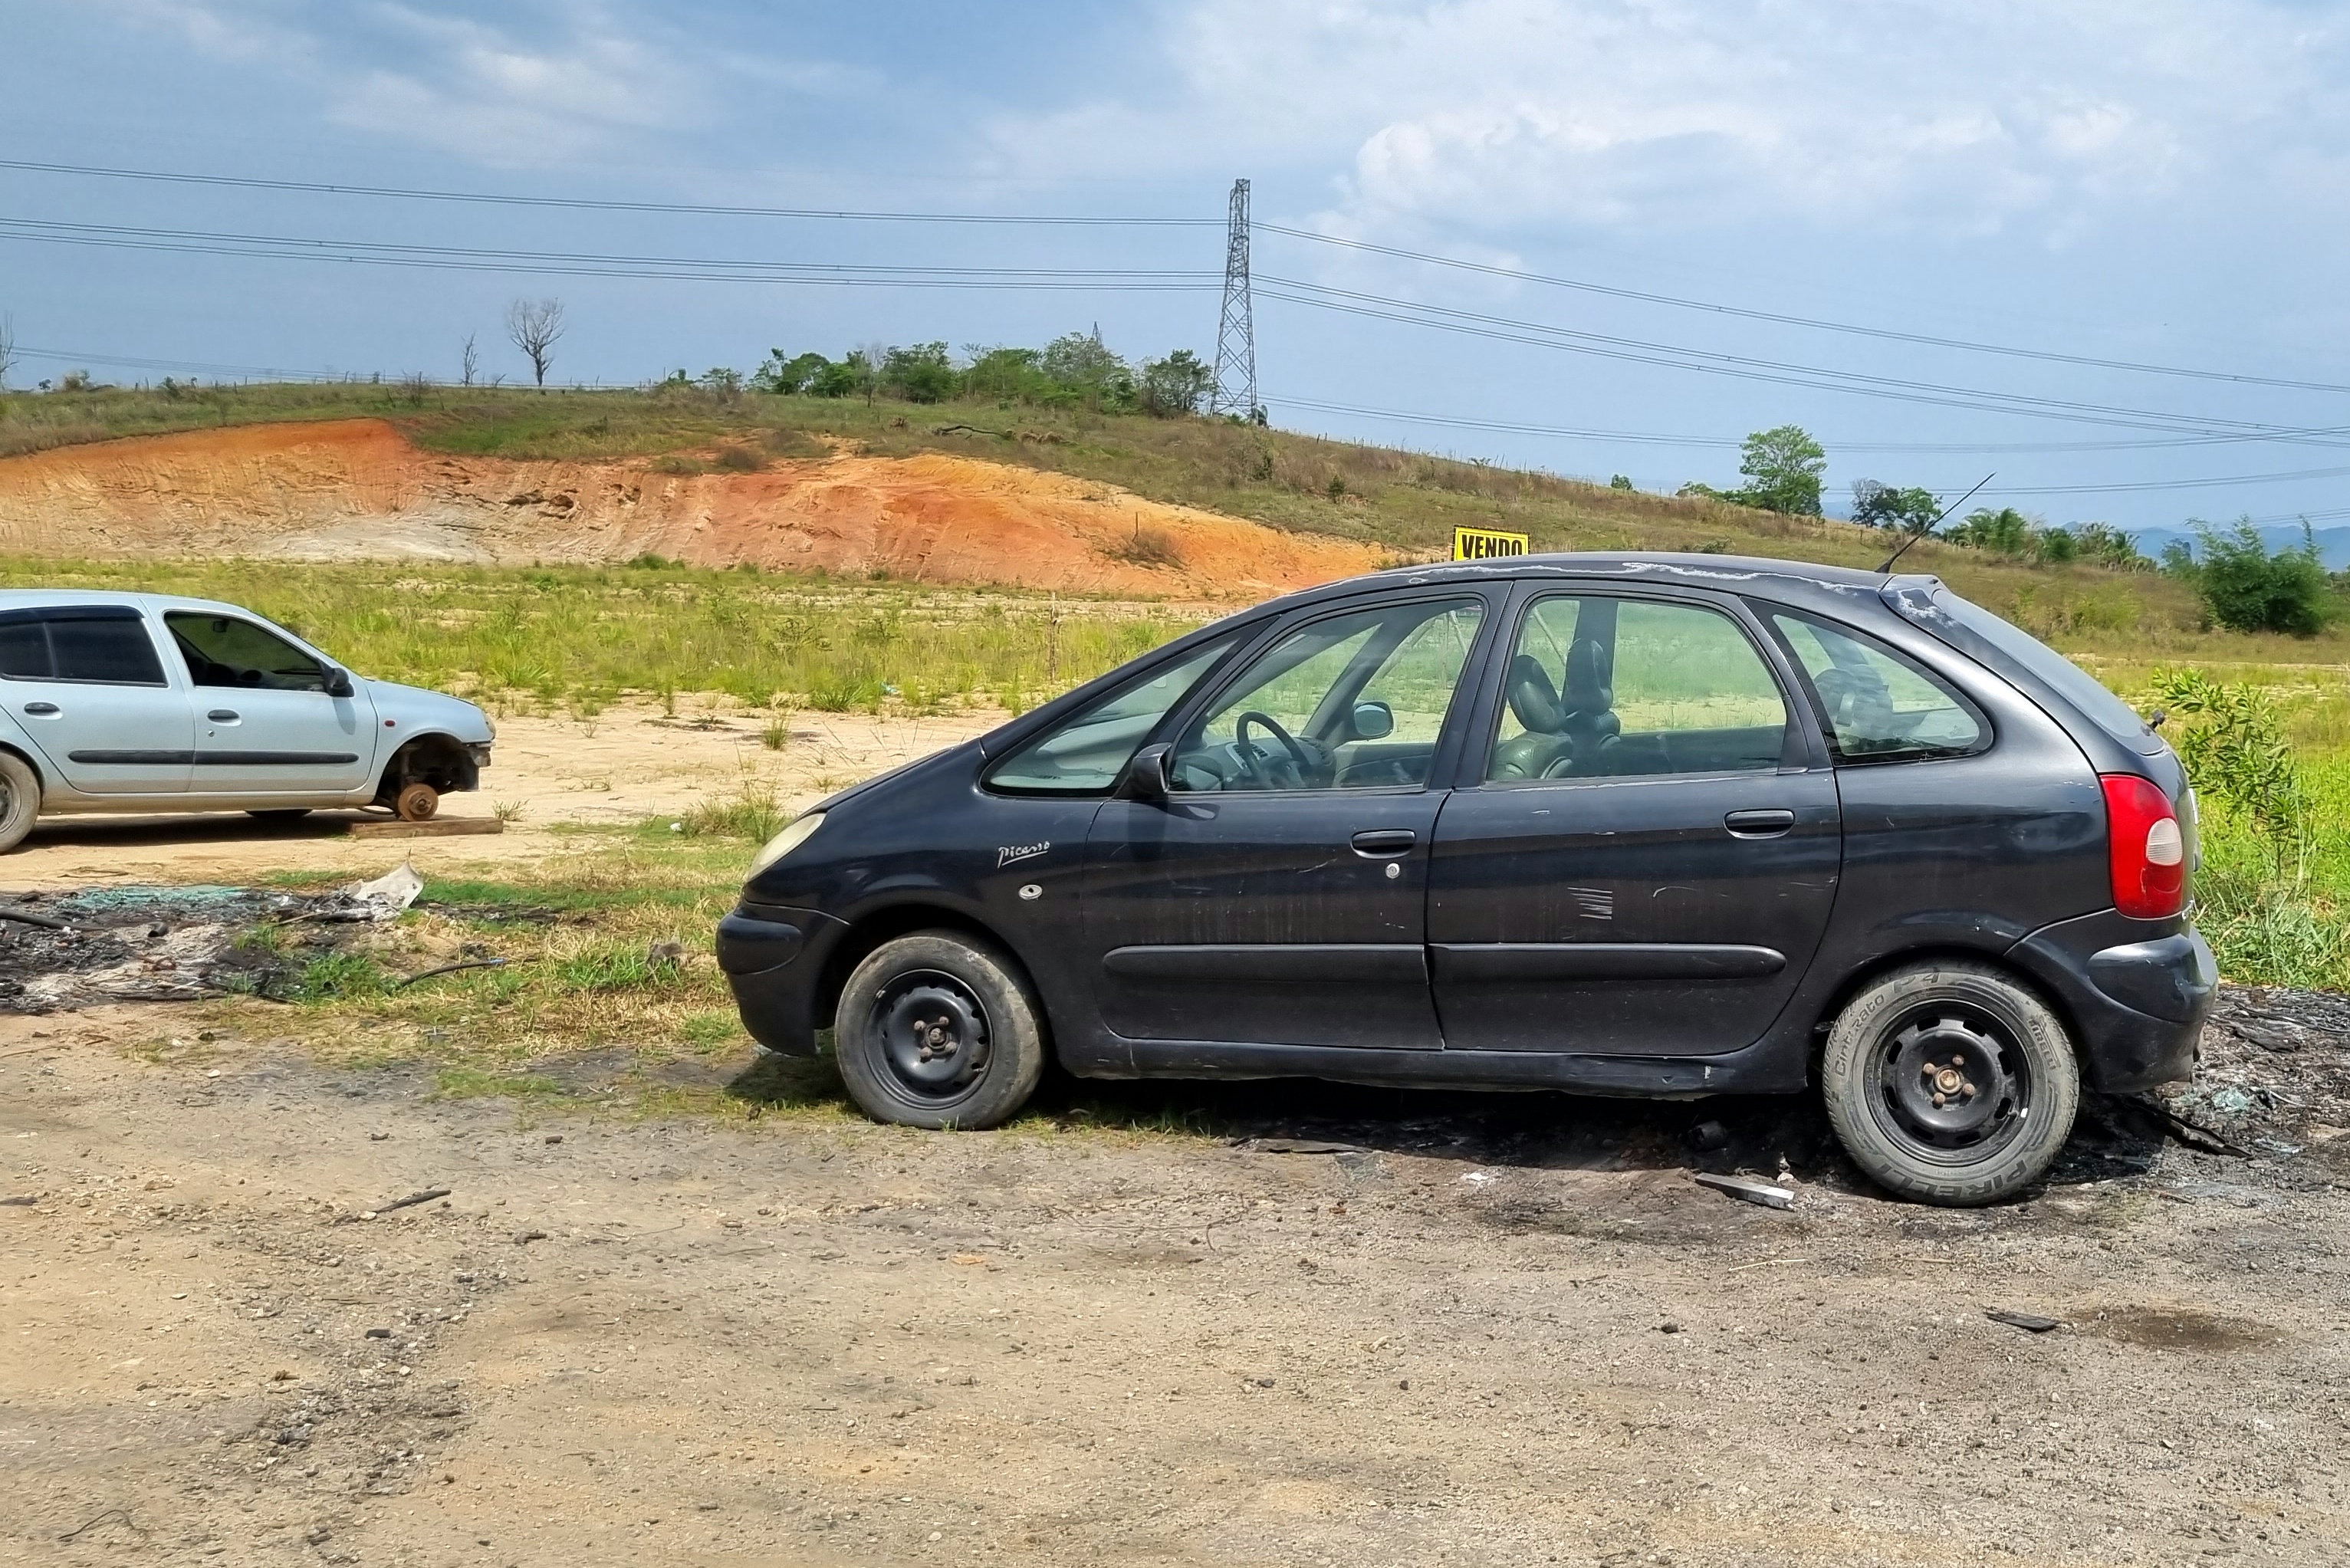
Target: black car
x: 1635, y: 824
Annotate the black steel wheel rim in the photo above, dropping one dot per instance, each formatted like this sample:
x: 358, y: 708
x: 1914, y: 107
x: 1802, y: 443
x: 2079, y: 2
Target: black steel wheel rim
x: 934, y: 1033
x: 1948, y: 1082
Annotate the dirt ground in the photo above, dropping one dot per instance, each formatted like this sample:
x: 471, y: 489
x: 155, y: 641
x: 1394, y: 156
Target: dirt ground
x: 1375, y: 1328
x: 626, y: 765
x: 357, y: 489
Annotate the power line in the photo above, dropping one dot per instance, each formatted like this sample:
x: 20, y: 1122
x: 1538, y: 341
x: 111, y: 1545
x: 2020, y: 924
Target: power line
x: 1512, y: 427
x: 585, y: 203
x: 450, y: 258
x: 1636, y: 351
x: 1813, y: 322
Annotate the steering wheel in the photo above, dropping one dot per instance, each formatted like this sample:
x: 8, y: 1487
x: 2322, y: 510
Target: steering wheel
x: 1251, y: 757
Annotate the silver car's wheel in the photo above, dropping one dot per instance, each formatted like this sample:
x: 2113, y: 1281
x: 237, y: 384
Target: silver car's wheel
x: 20, y: 800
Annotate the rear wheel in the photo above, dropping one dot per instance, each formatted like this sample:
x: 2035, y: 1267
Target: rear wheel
x: 937, y: 1028
x: 1950, y: 1084
x: 20, y: 800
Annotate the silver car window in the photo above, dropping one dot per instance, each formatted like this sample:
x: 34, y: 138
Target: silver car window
x: 222, y: 650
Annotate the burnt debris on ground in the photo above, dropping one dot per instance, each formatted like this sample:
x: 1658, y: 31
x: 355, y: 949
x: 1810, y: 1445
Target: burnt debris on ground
x: 61, y: 950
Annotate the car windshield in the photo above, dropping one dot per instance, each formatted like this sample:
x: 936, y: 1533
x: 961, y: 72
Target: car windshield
x: 2072, y: 683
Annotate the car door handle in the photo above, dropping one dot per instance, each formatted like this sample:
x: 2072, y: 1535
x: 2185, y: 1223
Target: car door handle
x: 41, y: 709
x: 222, y: 715
x: 1757, y: 824
x: 1385, y: 843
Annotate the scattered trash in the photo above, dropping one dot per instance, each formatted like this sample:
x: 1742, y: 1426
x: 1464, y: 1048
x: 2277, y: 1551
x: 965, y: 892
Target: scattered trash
x: 524, y: 1237
x: 555, y: 1137
x: 1747, y: 1188
x: 2030, y: 1322
x: 670, y: 952
x: 379, y: 1334
x: 22, y: 1200
x: 26, y: 917
x: 1669, y: 1326
x: 383, y: 898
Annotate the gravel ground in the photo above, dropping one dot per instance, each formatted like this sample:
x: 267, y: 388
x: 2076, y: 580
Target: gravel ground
x: 1374, y: 1329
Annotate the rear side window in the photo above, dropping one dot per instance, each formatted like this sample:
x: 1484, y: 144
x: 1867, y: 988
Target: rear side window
x: 1084, y: 752
x: 2072, y: 683
x: 103, y: 646
x: 1879, y: 707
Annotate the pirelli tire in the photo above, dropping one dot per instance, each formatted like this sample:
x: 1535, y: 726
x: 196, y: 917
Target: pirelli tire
x: 940, y: 1029
x: 1950, y: 1083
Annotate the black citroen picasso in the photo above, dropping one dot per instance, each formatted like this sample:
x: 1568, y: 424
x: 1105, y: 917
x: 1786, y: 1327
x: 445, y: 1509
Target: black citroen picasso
x: 1635, y: 824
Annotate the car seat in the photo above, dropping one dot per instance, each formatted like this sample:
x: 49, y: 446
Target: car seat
x: 1588, y: 726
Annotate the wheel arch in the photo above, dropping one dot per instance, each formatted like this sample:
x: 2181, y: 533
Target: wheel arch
x: 25, y: 755
x: 1868, y: 974
x: 435, y: 757
x: 890, y: 921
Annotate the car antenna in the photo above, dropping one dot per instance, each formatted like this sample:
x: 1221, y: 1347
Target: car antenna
x: 1887, y: 569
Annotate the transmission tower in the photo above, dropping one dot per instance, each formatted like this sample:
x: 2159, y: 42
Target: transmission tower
x: 1235, y: 390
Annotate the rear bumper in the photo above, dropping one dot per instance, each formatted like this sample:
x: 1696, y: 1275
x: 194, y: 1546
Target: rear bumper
x: 2136, y: 992
x: 775, y: 961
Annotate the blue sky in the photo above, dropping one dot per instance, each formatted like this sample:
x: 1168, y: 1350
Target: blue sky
x: 2152, y: 181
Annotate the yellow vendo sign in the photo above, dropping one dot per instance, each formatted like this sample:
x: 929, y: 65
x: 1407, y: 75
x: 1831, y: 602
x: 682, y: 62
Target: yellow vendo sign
x: 1484, y: 544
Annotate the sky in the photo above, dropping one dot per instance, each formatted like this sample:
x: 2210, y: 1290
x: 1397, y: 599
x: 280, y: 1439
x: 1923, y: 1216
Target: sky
x: 1951, y: 238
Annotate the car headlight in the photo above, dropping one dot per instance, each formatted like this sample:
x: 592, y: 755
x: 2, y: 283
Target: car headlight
x: 801, y: 830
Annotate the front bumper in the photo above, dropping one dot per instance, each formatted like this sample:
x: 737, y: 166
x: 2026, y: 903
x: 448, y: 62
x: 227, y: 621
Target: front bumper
x: 774, y: 961
x: 2136, y: 992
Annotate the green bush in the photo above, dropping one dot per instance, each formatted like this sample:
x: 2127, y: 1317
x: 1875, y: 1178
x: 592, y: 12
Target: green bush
x: 2246, y: 588
x: 2235, y: 748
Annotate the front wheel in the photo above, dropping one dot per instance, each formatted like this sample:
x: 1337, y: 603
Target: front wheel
x: 938, y: 1030
x: 1950, y: 1084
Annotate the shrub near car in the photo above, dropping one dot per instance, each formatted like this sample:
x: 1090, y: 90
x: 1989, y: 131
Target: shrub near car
x: 145, y: 702
x: 1618, y: 825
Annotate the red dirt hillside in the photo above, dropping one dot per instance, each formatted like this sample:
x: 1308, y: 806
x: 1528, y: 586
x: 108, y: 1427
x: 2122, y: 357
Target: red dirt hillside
x: 358, y: 489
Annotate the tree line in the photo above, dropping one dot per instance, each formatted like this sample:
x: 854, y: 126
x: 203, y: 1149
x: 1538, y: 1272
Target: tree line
x: 1074, y: 370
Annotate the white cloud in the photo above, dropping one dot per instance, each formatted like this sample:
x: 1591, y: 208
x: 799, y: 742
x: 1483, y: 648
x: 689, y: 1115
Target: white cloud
x: 1735, y: 114
x: 485, y: 93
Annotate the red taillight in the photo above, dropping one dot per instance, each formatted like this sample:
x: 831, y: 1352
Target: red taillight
x: 2147, y: 847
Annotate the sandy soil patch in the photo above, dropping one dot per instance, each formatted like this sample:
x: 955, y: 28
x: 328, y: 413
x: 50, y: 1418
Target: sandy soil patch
x: 627, y: 764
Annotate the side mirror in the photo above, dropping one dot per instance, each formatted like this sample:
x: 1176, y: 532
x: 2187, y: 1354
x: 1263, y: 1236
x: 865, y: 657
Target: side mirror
x: 1373, y: 720
x: 1148, y: 775
x: 339, y: 682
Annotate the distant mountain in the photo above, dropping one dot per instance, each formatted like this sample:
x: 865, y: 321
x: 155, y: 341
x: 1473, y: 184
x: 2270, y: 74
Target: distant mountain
x: 2333, y: 543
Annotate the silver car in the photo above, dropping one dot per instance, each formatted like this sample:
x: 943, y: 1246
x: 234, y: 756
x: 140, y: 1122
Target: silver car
x: 148, y: 703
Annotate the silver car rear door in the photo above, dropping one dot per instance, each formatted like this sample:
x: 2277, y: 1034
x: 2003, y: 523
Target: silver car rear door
x: 89, y: 687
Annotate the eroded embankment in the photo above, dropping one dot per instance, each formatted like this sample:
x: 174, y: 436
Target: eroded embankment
x: 358, y: 489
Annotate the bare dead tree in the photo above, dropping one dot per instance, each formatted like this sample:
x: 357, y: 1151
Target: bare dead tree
x: 534, y: 329
x: 8, y: 348
x: 469, y: 362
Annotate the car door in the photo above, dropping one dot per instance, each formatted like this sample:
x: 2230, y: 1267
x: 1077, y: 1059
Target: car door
x: 1277, y: 895
x: 265, y: 724
x: 1643, y: 859
x: 86, y: 684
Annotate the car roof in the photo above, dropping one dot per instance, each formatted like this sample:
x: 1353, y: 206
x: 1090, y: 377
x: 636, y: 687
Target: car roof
x: 41, y: 599
x: 1792, y: 582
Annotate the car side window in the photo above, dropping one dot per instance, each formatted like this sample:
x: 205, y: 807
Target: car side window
x: 1616, y: 688
x: 1880, y: 706
x: 1086, y: 753
x: 104, y: 649
x: 223, y: 651
x: 1349, y: 702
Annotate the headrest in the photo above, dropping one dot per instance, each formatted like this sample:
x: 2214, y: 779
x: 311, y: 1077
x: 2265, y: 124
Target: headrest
x: 1532, y: 695
x: 1588, y: 670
